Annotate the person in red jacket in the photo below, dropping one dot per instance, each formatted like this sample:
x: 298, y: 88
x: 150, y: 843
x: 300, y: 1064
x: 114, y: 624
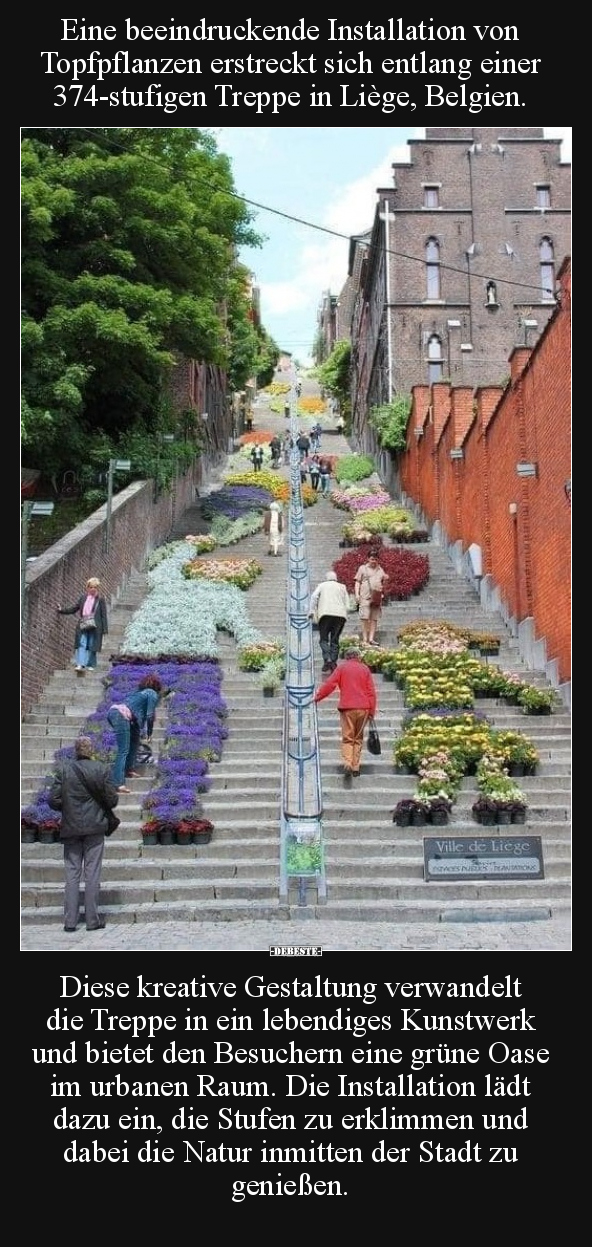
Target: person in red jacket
x: 357, y: 704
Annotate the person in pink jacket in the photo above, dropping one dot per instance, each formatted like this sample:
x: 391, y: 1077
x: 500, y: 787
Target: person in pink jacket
x: 357, y: 704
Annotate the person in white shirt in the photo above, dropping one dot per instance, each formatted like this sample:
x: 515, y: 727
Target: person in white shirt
x: 273, y: 525
x: 329, y: 602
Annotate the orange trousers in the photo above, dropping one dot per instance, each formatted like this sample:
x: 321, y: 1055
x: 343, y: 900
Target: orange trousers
x: 353, y: 723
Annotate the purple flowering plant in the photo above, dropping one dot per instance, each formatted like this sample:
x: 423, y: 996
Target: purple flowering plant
x: 194, y: 736
x: 234, y: 501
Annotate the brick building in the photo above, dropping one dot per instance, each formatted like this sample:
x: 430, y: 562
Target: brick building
x: 490, y: 469
x: 461, y: 263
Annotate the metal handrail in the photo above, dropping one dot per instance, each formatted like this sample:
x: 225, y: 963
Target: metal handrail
x: 301, y: 796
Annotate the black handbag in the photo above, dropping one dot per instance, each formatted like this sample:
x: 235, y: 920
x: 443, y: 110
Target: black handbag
x: 373, y: 739
x: 112, y: 822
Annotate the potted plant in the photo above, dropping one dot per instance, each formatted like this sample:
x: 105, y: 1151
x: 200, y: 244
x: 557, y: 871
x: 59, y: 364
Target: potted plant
x: 518, y: 811
x: 403, y: 811
x: 537, y: 700
x: 484, y: 810
x: 419, y: 813
x: 439, y: 810
x: 270, y: 678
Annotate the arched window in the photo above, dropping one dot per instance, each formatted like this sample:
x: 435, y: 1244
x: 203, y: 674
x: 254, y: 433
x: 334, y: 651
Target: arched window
x: 432, y: 254
x: 547, y: 269
x: 434, y: 359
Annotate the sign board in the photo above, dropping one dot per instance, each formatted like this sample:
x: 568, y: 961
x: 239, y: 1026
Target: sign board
x: 483, y: 857
x: 122, y: 465
x: 42, y: 508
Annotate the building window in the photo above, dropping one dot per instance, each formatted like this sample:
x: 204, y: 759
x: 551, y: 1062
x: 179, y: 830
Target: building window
x: 547, y: 269
x: 434, y: 359
x: 431, y: 197
x: 432, y: 254
x: 543, y: 196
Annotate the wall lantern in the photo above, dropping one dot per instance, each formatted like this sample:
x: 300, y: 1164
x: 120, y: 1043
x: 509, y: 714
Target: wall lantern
x: 418, y: 432
x: 567, y: 489
x: 457, y: 453
x: 527, y: 469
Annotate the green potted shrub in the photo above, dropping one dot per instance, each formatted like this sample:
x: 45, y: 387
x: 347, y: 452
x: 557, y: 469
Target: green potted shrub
x: 270, y: 677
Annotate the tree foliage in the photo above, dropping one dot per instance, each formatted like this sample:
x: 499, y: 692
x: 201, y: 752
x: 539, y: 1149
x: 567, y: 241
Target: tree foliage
x: 129, y: 243
x: 390, y: 421
x: 334, y: 375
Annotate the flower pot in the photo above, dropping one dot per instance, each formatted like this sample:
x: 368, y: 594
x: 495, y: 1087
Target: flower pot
x: 28, y: 835
x: 519, y: 816
x: 402, y: 820
x: 269, y: 692
x: 388, y: 676
x: 418, y: 818
x: 183, y: 838
x: 439, y: 818
x: 149, y: 838
x: 401, y: 769
x: 201, y: 837
x: 538, y: 710
x: 516, y: 769
x: 166, y: 836
x: 46, y: 836
x: 504, y: 818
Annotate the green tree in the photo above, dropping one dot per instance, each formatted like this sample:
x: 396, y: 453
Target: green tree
x: 129, y: 239
x: 390, y: 421
x: 334, y: 376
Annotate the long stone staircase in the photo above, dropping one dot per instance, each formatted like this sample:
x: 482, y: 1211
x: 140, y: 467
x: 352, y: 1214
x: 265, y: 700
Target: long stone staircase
x: 374, y: 869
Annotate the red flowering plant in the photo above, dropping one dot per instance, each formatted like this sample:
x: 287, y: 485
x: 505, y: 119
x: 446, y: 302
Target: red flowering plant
x: 407, y: 572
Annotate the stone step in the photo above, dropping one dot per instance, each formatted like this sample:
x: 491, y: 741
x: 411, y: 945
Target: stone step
x: 162, y: 892
x: 374, y: 869
x: 122, y: 871
x: 390, y: 888
x: 506, y: 910
x: 202, y: 910
x: 264, y: 845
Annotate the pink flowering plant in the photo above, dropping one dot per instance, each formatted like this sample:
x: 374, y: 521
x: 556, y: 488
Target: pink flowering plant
x: 239, y: 572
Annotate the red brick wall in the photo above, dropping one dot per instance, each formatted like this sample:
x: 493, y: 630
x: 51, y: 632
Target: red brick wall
x: 528, y: 553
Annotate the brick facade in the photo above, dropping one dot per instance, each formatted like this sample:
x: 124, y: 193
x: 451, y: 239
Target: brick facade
x: 475, y: 194
x: 522, y: 524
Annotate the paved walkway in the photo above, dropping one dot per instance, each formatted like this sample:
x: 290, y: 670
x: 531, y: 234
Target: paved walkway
x: 333, y: 937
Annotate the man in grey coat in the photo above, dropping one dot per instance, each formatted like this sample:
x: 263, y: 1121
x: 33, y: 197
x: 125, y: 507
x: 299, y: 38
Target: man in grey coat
x: 85, y: 793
